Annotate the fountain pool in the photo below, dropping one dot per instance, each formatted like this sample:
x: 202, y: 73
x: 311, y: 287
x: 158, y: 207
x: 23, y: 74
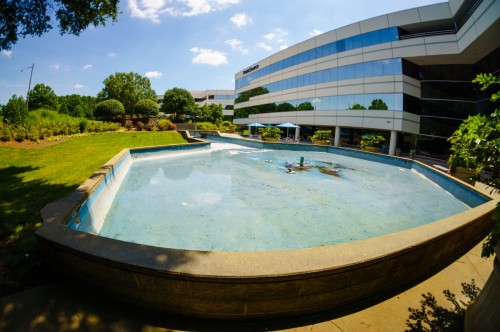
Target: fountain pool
x: 315, y: 253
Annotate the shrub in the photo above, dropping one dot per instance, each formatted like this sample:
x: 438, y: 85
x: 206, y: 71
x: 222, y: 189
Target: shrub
x: 322, y: 135
x: 151, y: 126
x: 146, y: 108
x: 5, y: 133
x: 139, y: 125
x: 109, y: 109
x: 165, y: 124
x: 129, y: 125
x: 372, y: 140
x: 83, y: 125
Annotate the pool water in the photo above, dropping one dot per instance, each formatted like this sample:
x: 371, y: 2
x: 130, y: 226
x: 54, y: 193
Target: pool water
x: 235, y: 198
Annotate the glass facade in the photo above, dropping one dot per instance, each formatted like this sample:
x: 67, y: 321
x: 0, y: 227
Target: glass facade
x: 354, y: 42
x: 358, y: 70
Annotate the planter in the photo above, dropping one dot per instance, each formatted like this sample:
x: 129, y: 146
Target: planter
x: 321, y: 142
x: 465, y: 174
x: 270, y: 139
x: 370, y: 149
x: 484, y: 314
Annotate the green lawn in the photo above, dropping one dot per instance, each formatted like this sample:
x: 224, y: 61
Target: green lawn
x: 30, y: 178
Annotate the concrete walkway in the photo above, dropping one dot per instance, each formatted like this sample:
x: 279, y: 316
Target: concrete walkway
x: 64, y: 307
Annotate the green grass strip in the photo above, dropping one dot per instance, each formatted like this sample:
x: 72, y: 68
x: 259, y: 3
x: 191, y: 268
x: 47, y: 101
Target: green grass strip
x: 30, y: 178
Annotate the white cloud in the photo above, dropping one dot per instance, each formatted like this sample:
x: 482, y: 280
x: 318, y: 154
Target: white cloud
x: 265, y: 46
x: 236, y: 45
x: 315, y: 32
x: 87, y: 66
x: 153, y: 74
x: 112, y: 55
x: 208, y: 57
x: 55, y: 66
x: 6, y: 53
x: 275, y: 39
x: 79, y: 86
x: 241, y: 20
x: 153, y: 9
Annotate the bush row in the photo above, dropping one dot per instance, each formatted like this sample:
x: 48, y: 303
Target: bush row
x: 151, y: 125
x: 38, y: 131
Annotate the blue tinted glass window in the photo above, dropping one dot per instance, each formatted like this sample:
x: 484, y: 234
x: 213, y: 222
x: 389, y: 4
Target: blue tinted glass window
x: 394, y: 34
x: 358, y: 70
x: 312, y: 54
x: 378, y: 68
x: 398, y: 66
x: 348, y: 44
x: 368, y: 69
x: 332, y: 48
x: 356, y: 41
x: 340, y: 46
x: 342, y: 73
x: 388, y: 67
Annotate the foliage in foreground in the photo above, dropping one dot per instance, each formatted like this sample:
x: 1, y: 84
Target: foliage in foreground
x: 476, y: 145
x: 32, y: 177
x: 433, y: 317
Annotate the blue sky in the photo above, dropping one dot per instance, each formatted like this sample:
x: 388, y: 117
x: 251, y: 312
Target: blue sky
x: 191, y: 44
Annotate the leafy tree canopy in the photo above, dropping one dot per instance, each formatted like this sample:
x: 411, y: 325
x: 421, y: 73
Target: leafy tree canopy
x: 128, y: 88
x: 33, y: 17
x: 77, y: 106
x: 42, y: 96
x: 179, y: 102
x: 305, y: 106
x: 246, y: 95
x: 357, y: 107
x: 16, y: 111
x: 378, y: 104
x: 285, y: 107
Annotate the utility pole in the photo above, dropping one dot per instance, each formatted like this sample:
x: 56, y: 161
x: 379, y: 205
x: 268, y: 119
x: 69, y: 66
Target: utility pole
x: 29, y: 85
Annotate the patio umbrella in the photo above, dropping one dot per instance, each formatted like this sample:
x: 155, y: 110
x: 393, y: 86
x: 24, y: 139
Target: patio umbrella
x: 287, y: 125
x: 255, y: 124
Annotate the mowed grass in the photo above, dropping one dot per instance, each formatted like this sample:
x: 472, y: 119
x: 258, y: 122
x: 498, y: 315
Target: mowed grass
x: 32, y: 177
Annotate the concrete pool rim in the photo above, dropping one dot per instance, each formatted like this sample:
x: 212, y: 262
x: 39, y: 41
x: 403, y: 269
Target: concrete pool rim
x: 240, y: 285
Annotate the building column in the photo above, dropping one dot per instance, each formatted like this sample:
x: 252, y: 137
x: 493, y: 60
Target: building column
x: 392, y: 143
x: 337, y: 136
x: 297, y: 134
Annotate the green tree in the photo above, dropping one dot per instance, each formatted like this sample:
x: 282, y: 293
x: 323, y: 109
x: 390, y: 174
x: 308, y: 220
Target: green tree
x: 178, y: 102
x: 305, y: 106
x: 42, y: 96
x: 128, y: 88
x: 216, y: 113
x: 357, y: 107
x: 16, y: 111
x: 146, y: 108
x: 33, y: 17
x: 203, y: 112
x: 109, y: 109
x: 77, y: 106
x: 285, y: 107
x: 378, y: 104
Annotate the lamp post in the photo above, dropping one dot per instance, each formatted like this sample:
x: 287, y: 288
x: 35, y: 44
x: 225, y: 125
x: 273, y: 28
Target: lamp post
x: 29, y: 85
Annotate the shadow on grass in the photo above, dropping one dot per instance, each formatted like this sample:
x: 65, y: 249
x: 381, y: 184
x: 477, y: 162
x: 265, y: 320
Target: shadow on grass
x: 20, y: 204
x: 433, y: 317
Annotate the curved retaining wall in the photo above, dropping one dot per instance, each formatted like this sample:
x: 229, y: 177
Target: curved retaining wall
x: 241, y: 285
